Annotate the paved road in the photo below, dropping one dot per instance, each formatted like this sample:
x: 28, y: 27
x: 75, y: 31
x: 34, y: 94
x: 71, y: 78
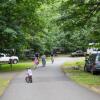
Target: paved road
x: 49, y: 84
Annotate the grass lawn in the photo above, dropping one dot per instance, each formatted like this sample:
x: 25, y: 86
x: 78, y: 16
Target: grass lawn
x: 19, y: 66
x: 16, y: 67
x: 80, y: 76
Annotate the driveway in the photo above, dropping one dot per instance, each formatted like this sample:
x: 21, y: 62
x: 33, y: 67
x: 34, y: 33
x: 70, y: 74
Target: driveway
x: 49, y: 83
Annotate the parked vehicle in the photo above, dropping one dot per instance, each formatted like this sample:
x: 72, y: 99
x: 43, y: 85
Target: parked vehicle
x: 9, y: 59
x: 92, y: 63
x: 78, y: 53
x: 92, y: 50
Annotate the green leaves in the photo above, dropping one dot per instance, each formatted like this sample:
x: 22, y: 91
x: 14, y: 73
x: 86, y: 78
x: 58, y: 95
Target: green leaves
x: 76, y: 16
x: 48, y: 24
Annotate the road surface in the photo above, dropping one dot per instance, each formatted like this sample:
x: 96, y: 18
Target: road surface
x: 49, y: 84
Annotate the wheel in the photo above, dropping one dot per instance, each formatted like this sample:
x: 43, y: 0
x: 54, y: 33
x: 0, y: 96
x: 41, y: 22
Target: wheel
x: 27, y: 79
x: 30, y: 79
x: 15, y: 61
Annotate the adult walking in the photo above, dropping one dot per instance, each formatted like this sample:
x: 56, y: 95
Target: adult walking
x: 52, y: 57
x: 43, y: 57
x: 36, y: 59
x: 36, y: 62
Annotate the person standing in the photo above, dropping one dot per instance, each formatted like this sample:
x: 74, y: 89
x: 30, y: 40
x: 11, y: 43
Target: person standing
x: 52, y: 57
x: 36, y: 62
x: 43, y: 57
x: 36, y: 58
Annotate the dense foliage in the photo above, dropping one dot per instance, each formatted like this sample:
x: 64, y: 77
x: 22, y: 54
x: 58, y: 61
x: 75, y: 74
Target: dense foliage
x: 44, y: 25
x: 80, y: 18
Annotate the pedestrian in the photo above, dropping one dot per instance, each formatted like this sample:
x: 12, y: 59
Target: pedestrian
x: 52, y: 57
x: 43, y: 57
x: 36, y: 62
x: 36, y: 58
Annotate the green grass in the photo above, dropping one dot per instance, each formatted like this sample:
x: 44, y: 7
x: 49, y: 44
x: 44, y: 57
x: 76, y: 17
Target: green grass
x: 75, y: 63
x: 80, y: 76
x: 19, y: 66
x: 16, y: 67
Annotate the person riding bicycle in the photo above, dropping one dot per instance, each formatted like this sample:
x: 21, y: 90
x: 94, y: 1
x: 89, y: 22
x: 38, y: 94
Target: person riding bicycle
x: 28, y: 77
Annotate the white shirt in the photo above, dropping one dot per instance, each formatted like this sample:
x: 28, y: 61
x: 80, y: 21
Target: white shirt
x: 29, y: 72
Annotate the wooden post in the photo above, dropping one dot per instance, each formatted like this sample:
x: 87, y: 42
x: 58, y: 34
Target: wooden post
x: 11, y: 62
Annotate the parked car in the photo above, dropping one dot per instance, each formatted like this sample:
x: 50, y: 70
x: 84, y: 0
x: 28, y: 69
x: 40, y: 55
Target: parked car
x: 9, y: 59
x: 92, y: 63
x: 92, y: 50
x: 78, y: 53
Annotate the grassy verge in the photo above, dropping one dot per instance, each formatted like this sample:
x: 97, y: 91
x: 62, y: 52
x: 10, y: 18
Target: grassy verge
x: 16, y: 67
x: 19, y: 66
x: 80, y: 76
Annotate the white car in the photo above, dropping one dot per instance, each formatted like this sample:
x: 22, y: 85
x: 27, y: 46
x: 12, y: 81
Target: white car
x: 9, y: 59
x: 92, y: 50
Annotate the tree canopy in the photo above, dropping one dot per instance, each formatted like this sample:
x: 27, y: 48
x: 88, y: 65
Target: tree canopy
x: 44, y: 25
